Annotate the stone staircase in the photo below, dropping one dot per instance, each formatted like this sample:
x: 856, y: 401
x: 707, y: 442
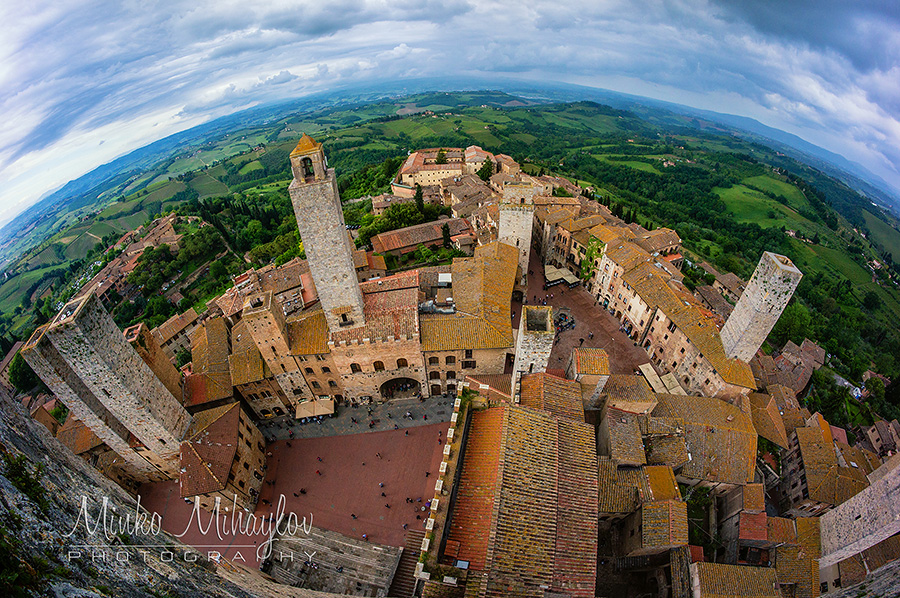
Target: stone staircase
x: 404, y: 583
x: 340, y: 564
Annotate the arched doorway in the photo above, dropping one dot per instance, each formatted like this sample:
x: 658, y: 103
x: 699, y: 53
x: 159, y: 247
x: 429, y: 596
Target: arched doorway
x: 399, y: 388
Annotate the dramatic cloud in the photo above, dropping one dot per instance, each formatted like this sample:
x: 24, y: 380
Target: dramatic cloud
x: 84, y: 82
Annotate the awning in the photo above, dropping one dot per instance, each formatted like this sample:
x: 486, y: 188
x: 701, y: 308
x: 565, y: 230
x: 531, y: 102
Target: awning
x: 315, y: 408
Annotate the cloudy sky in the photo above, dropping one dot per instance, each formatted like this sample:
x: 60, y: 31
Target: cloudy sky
x: 82, y: 83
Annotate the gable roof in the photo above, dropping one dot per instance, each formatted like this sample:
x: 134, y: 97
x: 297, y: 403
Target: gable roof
x: 559, y: 397
x: 208, y: 450
x: 720, y: 438
x: 767, y: 419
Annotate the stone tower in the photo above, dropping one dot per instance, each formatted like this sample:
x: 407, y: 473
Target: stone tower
x: 320, y: 218
x: 768, y: 292
x: 92, y: 345
x: 516, y: 219
x: 535, y: 340
x: 264, y: 318
x: 53, y: 370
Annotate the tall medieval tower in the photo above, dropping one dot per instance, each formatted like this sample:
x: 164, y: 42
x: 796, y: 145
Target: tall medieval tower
x: 516, y: 219
x: 767, y: 294
x: 88, y: 356
x: 320, y: 218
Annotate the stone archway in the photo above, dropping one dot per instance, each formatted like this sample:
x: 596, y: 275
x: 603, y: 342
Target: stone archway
x: 400, y: 388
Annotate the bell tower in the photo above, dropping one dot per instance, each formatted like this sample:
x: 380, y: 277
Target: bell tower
x: 320, y: 219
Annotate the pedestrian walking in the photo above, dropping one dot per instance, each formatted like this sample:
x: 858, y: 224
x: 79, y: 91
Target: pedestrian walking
x: 296, y: 495
x: 318, y: 472
x: 383, y: 494
x: 352, y: 516
x: 406, y: 433
x: 319, y: 458
x: 381, y: 484
x: 302, y: 490
x: 387, y: 506
x: 580, y: 342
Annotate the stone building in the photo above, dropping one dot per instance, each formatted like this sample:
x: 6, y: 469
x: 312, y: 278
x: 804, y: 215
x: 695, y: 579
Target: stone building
x: 516, y: 220
x: 253, y: 380
x: 146, y: 345
x: 174, y: 334
x: 767, y: 294
x: 85, y: 359
x: 223, y: 457
x: 535, y: 340
x: 265, y: 323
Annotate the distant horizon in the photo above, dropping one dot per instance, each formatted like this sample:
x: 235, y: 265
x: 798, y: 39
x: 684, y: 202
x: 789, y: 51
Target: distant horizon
x: 504, y: 86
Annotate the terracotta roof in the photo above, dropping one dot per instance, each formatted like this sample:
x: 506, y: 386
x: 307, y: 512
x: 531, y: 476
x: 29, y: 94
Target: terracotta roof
x: 858, y: 457
x: 809, y: 537
x: 525, y: 513
x: 667, y: 450
x: 754, y: 497
x: 812, y: 352
x: 625, y: 443
x: 500, y: 383
x: 715, y: 300
x: 209, y: 449
x: 716, y: 580
x: 781, y: 529
x: 720, y: 438
x: 309, y: 334
x: 482, y: 291
x: 561, y: 398
x: 211, y: 377
x: 391, y: 308
x: 664, y: 523
x: 731, y: 282
x: 306, y: 145
x: 245, y: 362
x: 77, y: 436
x: 659, y: 484
x: 629, y: 393
x: 427, y: 234
x: 472, y: 518
x: 827, y: 481
x: 752, y: 526
x: 174, y: 325
x: 767, y: 419
x: 284, y: 277
x: 793, y: 565
x: 591, y: 361
x: 657, y: 240
x: 619, y: 489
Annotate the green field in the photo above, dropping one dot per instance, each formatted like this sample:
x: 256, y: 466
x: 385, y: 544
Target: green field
x: 207, y: 186
x: 883, y: 234
x: 795, y: 198
x: 12, y: 290
x: 748, y: 205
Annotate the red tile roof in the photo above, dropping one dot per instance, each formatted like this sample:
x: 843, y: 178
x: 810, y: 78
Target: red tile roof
x: 209, y: 449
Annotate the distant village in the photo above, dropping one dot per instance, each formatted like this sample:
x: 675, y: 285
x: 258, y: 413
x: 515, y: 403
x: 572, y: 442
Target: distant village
x: 601, y: 429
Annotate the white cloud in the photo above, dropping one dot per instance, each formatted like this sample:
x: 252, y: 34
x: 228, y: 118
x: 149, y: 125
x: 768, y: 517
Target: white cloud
x: 83, y: 83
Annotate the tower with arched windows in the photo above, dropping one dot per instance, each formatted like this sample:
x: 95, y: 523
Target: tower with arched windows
x: 320, y: 219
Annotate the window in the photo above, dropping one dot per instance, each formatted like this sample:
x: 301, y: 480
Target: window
x: 451, y: 375
x: 671, y: 326
x: 241, y: 483
x: 246, y: 466
x: 332, y: 384
x: 354, y: 367
x: 674, y: 364
x: 320, y: 358
x: 468, y: 365
x: 682, y: 350
x: 451, y: 359
x: 309, y: 370
x: 379, y: 366
x: 433, y: 361
x: 468, y: 353
x: 279, y: 411
x: 401, y: 363
x: 434, y: 375
x: 326, y: 369
x: 315, y: 384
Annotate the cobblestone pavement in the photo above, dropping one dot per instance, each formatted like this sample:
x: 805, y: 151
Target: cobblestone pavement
x: 386, y: 416
x: 624, y: 356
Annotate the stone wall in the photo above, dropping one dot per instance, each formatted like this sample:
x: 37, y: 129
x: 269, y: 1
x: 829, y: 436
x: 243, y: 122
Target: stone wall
x: 515, y: 229
x: 366, y: 383
x: 153, y: 355
x: 863, y: 521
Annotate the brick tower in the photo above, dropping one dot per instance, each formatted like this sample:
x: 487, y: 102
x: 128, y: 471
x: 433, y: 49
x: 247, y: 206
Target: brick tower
x: 768, y: 292
x: 96, y: 351
x: 317, y: 206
